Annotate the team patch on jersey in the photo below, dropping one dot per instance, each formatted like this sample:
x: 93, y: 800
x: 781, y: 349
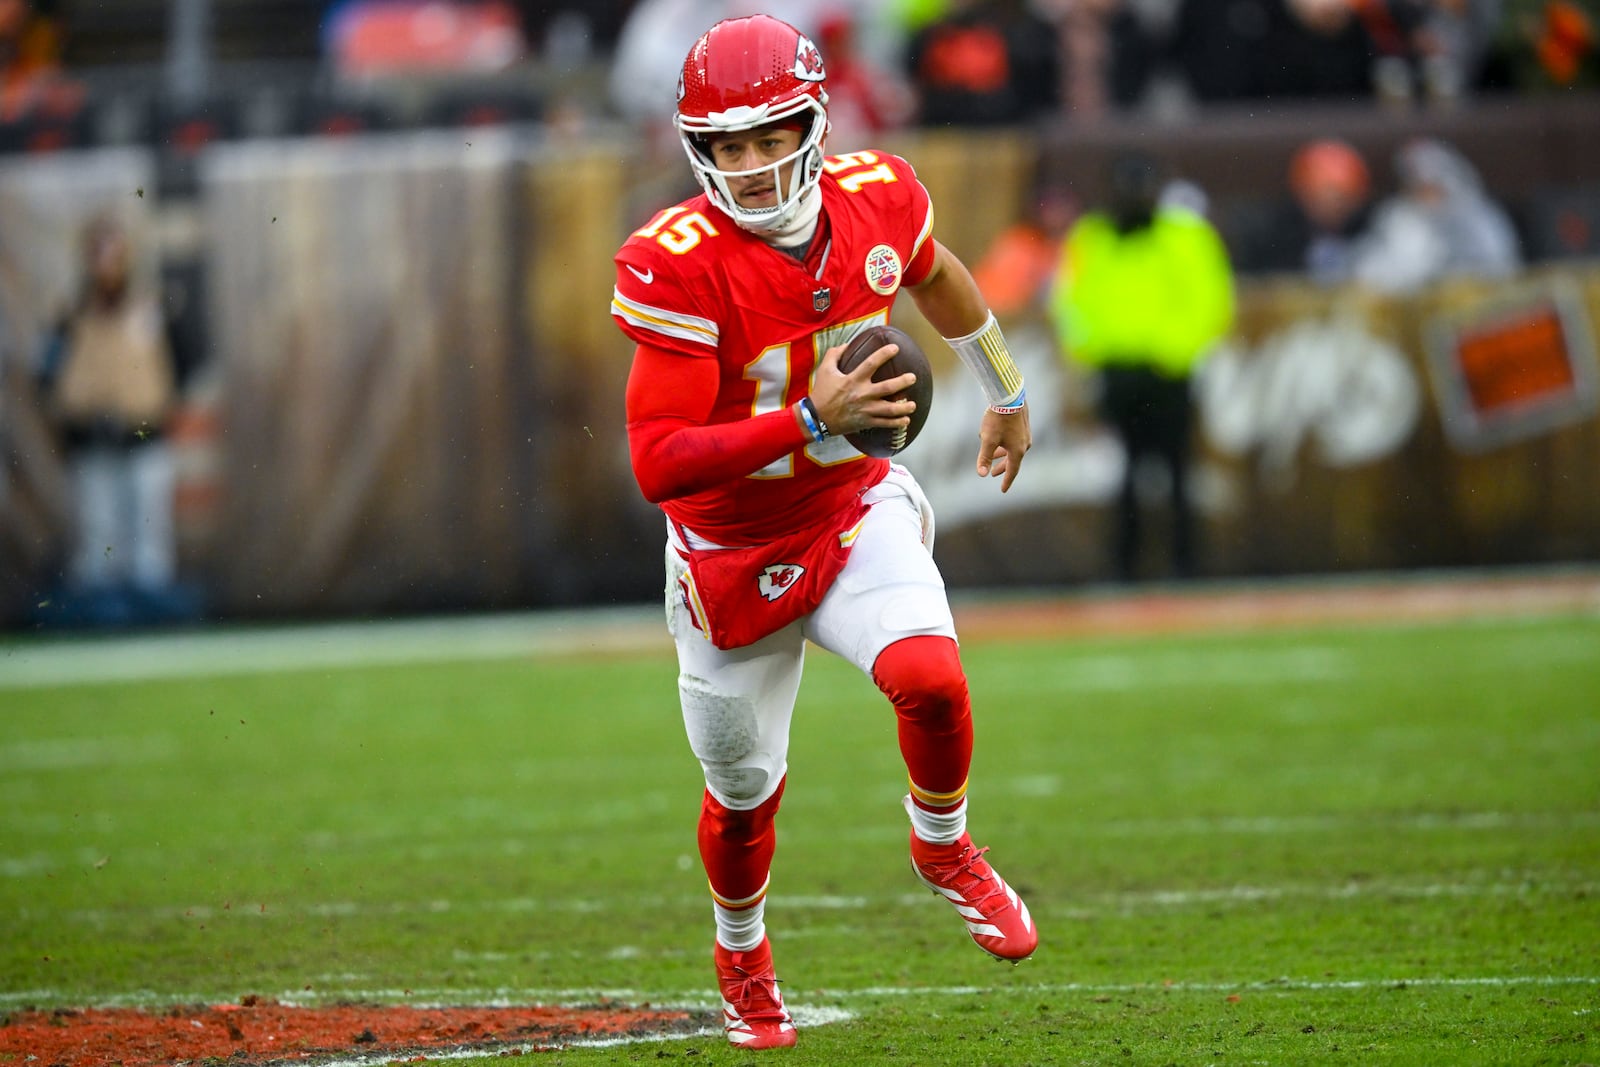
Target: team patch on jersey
x: 883, y: 270
x: 778, y: 579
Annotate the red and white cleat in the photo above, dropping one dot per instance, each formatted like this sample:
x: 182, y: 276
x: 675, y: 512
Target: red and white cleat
x: 752, y: 1008
x: 996, y: 917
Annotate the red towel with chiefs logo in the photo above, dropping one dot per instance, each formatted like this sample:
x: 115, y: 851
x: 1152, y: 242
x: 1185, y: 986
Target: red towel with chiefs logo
x: 737, y: 596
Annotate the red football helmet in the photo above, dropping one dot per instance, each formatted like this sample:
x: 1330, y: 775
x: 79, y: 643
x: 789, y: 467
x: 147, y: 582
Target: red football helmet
x: 749, y: 72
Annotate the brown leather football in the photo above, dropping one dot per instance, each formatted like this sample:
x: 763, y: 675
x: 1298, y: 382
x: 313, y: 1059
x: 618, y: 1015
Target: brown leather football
x: 883, y: 441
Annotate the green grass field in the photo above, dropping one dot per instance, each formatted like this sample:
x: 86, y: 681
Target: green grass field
x: 1322, y: 845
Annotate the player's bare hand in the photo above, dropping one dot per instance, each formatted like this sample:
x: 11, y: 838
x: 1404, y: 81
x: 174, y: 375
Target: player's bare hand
x: 851, y: 402
x: 1002, y: 442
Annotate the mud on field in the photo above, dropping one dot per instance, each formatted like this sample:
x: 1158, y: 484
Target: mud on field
x: 256, y: 1032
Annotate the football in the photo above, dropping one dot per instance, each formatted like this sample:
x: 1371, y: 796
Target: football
x: 883, y: 441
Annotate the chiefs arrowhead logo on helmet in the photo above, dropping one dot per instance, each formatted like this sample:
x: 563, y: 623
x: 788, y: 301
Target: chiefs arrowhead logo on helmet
x: 807, y: 60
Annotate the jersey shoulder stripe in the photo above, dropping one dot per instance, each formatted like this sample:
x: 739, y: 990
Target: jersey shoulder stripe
x: 927, y: 222
x: 663, y: 321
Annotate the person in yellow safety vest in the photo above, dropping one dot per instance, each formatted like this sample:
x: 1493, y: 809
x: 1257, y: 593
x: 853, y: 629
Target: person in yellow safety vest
x: 1144, y: 292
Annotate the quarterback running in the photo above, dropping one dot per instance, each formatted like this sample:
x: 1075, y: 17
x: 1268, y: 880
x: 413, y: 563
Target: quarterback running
x: 778, y: 530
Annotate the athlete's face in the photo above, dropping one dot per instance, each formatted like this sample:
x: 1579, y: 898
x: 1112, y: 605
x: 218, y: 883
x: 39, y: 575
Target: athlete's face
x: 752, y: 149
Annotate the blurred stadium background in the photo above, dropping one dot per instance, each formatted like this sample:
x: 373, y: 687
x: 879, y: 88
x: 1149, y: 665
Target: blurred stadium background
x: 386, y: 278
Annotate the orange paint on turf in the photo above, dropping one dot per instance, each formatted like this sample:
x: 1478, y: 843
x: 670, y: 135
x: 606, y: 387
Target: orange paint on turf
x: 257, y: 1031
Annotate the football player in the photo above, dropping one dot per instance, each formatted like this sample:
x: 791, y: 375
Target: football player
x: 778, y: 531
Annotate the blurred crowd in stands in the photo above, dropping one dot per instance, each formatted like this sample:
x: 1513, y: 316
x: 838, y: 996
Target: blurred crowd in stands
x: 987, y: 62
x: 131, y: 71
x: 930, y: 62
x: 134, y: 72
x: 181, y: 75
x: 1440, y: 222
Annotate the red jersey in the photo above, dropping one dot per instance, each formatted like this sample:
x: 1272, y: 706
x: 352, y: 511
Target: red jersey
x: 692, y: 282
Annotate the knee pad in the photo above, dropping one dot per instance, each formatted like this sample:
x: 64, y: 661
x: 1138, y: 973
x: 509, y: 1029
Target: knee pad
x: 724, y: 733
x: 921, y: 674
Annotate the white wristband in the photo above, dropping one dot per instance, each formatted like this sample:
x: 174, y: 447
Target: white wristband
x: 985, y: 354
x: 1014, y: 406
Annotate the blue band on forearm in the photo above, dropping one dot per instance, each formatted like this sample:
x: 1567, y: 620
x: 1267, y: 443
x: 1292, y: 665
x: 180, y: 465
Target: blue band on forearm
x: 813, y: 422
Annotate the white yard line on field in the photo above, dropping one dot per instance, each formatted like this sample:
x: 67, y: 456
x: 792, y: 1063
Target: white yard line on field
x: 578, y: 1042
x: 1275, y: 825
x: 259, y: 650
x: 1120, y: 902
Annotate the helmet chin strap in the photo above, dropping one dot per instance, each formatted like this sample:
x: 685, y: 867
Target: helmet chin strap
x: 798, y: 230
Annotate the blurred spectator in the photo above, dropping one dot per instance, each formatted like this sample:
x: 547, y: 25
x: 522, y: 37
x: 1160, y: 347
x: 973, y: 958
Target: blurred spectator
x: 557, y: 24
x: 30, y: 53
x: 864, y: 100
x: 1272, y: 49
x: 33, y: 88
x: 1332, y: 191
x: 110, y: 385
x: 375, y: 37
x: 1546, y: 45
x: 1440, y: 224
x: 655, y: 38
x: 1144, y: 292
x: 1186, y: 195
x: 1107, y: 55
x: 1452, y: 44
x: 1316, y: 230
x: 1016, y: 271
x: 984, y: 63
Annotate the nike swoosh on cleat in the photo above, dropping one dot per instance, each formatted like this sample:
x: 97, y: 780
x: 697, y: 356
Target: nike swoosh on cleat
x: 647, y: 276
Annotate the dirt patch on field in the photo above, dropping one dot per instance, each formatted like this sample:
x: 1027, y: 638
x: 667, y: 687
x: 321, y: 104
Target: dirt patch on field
x: 256, y: 1032
x: 1394, y: 599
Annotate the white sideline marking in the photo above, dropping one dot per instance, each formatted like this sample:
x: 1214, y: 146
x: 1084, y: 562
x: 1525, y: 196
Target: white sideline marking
x: 1271, y: 985
x: 67, y: 753
x: 1115, y: 672
x: 577, y: 1042
x: 1131, y: 900
x: 35, y: 662
x: 804, y: 1018
x: 41, y: 862
x: 1320, y: 824
x: 264, y: 650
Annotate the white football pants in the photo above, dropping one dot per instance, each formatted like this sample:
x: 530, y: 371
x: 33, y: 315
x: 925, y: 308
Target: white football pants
x: 737, y: 703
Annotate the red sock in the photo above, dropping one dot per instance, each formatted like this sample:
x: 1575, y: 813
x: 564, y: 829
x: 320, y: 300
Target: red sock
x: 923, y: 677
x: 736, y: 848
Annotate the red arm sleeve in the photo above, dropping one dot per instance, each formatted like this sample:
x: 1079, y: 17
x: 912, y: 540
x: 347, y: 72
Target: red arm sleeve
x: 674, y: 452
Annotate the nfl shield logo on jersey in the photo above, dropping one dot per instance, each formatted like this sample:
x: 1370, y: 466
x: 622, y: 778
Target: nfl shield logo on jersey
x: 883, y: 270
x: 778, y: 579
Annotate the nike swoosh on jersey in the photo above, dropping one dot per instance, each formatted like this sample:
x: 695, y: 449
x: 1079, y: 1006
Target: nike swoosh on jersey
x: 647, y: 276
